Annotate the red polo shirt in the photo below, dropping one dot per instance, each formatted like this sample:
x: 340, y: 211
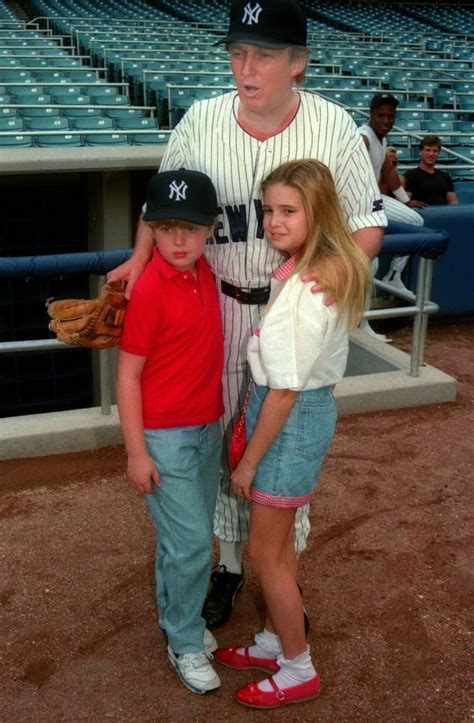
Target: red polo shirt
x: 175, y: 321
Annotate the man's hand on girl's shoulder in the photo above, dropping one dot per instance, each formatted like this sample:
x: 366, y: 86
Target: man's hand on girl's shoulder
x: 318, y: 287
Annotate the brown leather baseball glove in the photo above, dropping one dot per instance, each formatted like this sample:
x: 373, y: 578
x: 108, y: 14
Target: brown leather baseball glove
x: 95, y: 323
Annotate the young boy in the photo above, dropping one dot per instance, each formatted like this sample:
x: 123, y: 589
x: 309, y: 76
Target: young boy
x: 169, y: 396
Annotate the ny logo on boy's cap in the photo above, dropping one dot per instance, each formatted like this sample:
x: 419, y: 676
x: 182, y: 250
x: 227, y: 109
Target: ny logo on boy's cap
x: 251, y: 14
x: 178, y: 192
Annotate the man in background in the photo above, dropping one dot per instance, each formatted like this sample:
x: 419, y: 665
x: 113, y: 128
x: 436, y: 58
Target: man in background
x: 427, y: 185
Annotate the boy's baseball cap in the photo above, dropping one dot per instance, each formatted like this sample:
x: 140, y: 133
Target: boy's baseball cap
x: 269, y: 23
x: 184, y: 195
x: 383, y: 99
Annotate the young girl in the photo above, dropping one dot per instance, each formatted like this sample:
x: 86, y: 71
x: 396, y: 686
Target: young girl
x: 296, y: 356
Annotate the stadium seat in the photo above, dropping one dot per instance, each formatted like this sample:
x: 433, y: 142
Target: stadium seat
x: 410, y: 126
x: 466, y: 151
x: 61, y: 139
x: 143, y: 139
x: 100, y: 89
x: 8, y: 112
x: 92, y: 123
x: 81, y: 112
x: 108, y: 139
x: 8, y: 123
x: 71, y: 99
x: 409, y: 115
x: 135, y: 123
x: 108, y: 99
x: 19, y: 141
x: 38, y: 112
x: 124, y: 112
x: 50, y: 123
x: 31, y: 99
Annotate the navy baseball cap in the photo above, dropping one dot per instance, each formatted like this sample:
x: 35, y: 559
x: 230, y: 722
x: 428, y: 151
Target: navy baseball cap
x: 183, y: 195
x: 383, y: 99
x: 268, y: 23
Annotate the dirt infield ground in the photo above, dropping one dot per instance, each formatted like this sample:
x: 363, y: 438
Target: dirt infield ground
x: 387, y: 579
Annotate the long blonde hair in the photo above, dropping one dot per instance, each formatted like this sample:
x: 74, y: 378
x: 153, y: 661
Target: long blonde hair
x: 329, y: 249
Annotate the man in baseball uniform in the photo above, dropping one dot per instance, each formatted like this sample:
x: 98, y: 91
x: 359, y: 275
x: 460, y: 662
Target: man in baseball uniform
x: 383, y: 108
x: 237, y: 139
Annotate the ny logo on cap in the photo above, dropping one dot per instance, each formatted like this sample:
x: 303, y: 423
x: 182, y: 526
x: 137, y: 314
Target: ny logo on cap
x: 178, y: 192
x: 251, y: 14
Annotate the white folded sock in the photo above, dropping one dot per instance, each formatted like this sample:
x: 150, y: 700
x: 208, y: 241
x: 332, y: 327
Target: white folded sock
x: 291, y: 673
x: 267, y: 645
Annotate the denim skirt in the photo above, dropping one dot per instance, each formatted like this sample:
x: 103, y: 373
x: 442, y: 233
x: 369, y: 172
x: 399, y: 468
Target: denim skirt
x: 288, y: 473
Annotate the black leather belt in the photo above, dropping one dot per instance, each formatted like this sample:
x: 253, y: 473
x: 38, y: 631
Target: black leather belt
x: 249, y: 296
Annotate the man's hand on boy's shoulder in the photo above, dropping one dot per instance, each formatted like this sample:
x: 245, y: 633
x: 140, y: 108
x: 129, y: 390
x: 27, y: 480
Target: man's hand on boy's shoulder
x: 142, y: 473
x: 129, y: 271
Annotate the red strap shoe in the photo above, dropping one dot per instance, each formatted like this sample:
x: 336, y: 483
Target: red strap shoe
x: 233, y: 659
x: 252, y: 696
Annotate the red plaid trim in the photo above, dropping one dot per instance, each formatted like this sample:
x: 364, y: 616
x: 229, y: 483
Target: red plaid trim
x: 282, y: 503
x: 285, y: 269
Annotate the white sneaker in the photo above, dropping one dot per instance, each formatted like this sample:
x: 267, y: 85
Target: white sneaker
x: 395, y: 280
x: 210, y: 643
x: 195, y: 671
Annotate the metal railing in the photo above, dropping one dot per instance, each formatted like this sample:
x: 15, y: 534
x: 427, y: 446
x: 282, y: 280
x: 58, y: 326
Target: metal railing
x: 419, y: 307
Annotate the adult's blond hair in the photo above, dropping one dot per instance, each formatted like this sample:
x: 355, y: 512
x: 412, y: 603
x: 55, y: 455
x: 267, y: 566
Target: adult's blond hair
x: 329, y: 249
x: 299, y: 52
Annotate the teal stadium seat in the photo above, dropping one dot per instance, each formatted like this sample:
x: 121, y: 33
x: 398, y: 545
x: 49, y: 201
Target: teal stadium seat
x: 105, y: 139
x: 408, y: 115
x: 12, y: 75
x: 143, y: 139
x: 19, y: 141
x: 135, y: 123
x: 466, y: 151
x: 61, y: 139
x: 50, y: 123
x: 81, y: 112
x: 123, y: 112
x: 108, y: 99
x: 93, y: 123
x: 11, y: 124
x: 465, y: 126
x: 31, y: 99
x: 71, y: 99
x: 100, y: 89
x: 38, y: 111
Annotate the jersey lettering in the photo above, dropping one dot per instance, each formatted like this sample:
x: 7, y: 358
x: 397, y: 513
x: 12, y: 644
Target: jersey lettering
x: 216, y: 236
x: 237, y: 216
x: 259, y: 211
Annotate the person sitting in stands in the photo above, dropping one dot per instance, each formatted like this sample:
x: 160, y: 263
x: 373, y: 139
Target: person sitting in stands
x: 427, y: 185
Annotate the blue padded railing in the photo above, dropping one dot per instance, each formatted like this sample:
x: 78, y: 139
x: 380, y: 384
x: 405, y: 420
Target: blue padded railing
x: 89, y: 262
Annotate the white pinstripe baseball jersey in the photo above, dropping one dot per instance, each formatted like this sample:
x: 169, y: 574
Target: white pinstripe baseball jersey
x: 209, y: 139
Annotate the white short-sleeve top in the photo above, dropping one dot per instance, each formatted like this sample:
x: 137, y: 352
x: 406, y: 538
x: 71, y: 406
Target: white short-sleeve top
x: 301, y: 343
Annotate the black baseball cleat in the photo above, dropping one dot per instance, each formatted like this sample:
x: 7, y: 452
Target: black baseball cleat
x: 220, y: 599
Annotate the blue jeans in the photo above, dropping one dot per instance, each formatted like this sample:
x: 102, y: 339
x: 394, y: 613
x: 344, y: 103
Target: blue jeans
x: 182, y: 508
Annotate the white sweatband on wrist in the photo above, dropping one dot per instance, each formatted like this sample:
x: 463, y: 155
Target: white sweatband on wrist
x: 401, y: 195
